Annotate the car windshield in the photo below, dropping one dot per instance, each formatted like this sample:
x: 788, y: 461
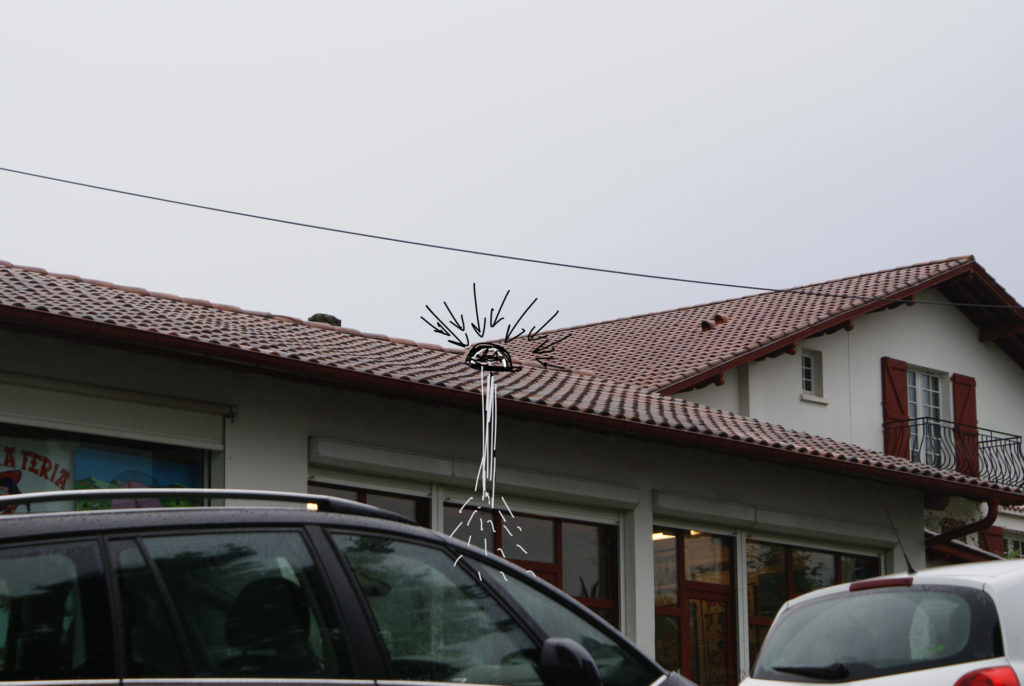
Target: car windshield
x: 863, y: 634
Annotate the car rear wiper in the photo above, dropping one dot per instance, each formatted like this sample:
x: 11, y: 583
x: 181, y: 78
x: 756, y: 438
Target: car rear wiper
x: 832, y: 672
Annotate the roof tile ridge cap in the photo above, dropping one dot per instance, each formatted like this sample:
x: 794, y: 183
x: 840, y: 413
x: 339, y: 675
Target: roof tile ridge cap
x: 70, y: 277
x: 951, y: 262
x: 136, y: 290
x: 233, y: 309
x: 670, y: 310
x: 954, y: 261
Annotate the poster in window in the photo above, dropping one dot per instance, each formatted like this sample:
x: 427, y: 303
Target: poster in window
x: 31, y: 465
x: 105, y: 467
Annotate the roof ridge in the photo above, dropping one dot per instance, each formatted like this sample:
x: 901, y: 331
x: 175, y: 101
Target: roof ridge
x: 222, y: 307
x: 962, y: 259
x: 767, y: 291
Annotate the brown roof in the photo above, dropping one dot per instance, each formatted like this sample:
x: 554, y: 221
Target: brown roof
x: 689, y: 347
x: 101, y: 312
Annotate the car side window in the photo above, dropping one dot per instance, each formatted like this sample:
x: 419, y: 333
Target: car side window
x: 246, y: 604
x: 54, y: 614
x: 437, y: 621
x: 618, y: 665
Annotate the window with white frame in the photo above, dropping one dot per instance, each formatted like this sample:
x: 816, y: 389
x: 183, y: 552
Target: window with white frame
x: 811, y: 385
x: 924, y: 409
x: 1013, y: 546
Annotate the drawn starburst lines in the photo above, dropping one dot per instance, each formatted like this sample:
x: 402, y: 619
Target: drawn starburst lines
x: 482, y: 327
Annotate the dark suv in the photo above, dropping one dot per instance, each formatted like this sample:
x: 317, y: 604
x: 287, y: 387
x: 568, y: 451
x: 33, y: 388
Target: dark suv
x: 244, y: 594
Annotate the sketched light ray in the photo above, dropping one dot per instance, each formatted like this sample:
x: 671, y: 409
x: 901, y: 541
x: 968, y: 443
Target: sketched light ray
x: 490, y: 358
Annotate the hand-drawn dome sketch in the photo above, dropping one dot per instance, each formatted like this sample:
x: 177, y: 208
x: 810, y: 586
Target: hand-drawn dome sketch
x: 492, y: 360
x: 490, y: 357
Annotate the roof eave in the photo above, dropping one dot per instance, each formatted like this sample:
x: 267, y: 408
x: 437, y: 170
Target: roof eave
x: 860, y: 467
x: 120, y: 336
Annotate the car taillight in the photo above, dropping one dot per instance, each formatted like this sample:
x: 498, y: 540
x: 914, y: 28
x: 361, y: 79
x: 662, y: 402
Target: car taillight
x: 881, y: 582
x: 993, y: 676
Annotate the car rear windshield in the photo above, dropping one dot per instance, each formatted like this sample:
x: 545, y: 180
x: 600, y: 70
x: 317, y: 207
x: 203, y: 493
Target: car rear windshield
x: 889, y: 630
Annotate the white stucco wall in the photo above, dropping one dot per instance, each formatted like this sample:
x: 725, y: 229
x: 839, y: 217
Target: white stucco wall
x: 273, y: 426
x: 934, y: 337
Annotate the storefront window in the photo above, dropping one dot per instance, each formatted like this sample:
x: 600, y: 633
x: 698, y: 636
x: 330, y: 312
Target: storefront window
x: 708, y: 558
x: 588, y: 558
x: 812, y: 569
x: 414, y: 507
x: 666, y: 570
x: 580, y: 558
x: 776, y: 573
x: 693, y: 597
x: 36, y: 460
x: 534, y: 539
x: 766, y: 579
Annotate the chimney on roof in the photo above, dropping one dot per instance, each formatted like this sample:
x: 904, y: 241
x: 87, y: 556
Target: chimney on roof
x: 325, y: 319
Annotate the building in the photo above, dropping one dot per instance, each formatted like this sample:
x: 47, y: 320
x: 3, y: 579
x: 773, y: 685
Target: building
x: 683, y: 523
x: 924, y: 362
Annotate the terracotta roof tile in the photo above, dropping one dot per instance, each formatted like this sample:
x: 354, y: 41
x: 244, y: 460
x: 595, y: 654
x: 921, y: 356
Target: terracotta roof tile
x: 225, y: 331
x: 658, y: 350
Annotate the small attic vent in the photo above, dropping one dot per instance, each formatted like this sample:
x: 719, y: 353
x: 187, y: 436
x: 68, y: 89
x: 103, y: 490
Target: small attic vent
x: 721, y: 319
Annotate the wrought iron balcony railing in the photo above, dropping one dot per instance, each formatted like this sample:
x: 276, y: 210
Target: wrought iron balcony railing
x: 988, y: 454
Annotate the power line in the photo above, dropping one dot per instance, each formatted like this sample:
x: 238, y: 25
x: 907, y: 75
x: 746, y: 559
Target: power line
x: 500, y: 256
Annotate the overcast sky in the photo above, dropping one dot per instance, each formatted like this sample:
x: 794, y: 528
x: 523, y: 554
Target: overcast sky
x: 772, y: 143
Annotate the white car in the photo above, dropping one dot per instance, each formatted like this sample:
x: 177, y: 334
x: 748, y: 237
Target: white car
x: 961, y: 625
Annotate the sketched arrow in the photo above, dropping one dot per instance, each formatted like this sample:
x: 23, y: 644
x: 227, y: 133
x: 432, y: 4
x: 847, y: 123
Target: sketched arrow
x: 455, y: 320
x: 548, y: 346
x: 439, y: 326
x: 535, y: 332
x: 477, y: 328
x: 547, y: 365
x: 510, y: 329
x: 496, y: 319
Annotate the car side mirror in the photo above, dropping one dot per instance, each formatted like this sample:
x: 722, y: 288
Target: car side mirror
x: 564, y: 662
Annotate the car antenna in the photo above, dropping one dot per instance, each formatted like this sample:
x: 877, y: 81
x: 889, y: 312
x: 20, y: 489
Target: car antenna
x: 906, y: 558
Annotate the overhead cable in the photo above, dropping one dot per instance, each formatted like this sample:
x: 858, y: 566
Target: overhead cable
x: 501, y: 256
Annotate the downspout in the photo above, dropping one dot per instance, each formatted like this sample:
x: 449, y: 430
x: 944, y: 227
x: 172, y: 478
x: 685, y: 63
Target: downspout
x: 980, y: 525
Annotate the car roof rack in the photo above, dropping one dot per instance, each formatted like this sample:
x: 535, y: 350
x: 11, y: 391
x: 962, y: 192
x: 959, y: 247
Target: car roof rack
x: 325, y: 503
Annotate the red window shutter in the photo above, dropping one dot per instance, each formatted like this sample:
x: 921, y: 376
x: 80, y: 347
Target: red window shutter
x: 992, y: 539
x: 894, y: 407
x: 965, y: 418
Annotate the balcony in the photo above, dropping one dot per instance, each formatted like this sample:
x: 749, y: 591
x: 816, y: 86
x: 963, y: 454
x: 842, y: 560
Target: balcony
x: 971, y: 450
